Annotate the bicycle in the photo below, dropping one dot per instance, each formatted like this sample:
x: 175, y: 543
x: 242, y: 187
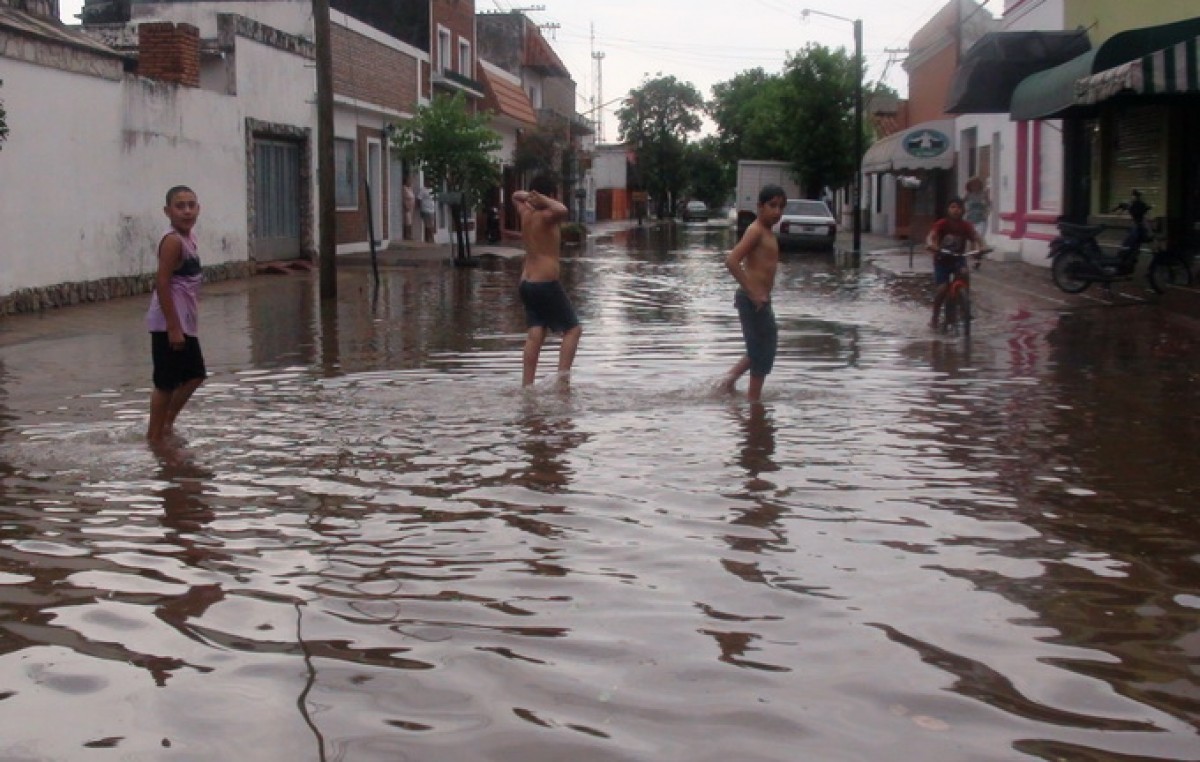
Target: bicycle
x: 956, y: 308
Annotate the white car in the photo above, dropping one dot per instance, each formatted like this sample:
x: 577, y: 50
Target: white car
x: 695, y: 211
x: 806, y: 223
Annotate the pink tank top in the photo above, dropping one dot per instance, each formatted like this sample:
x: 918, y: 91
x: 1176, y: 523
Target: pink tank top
x: 185, y: 290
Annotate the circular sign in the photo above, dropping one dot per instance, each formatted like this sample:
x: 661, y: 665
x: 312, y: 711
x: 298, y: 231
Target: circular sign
x: 926, y: 144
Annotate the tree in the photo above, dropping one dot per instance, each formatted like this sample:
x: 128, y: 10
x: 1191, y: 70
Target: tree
x: 709, y: 178
x: 454, y: 146
x: 657, y: 119
x: 804, y: 116
x: 748, y: 111
x: 818, y: 106
x: 539, y: 152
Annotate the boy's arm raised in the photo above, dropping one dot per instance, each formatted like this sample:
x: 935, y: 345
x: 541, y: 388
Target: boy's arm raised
x: 549, y: 204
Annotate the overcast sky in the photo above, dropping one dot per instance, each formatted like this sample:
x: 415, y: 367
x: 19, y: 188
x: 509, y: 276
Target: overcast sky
x: 702, y: 41
x: 709, y: 41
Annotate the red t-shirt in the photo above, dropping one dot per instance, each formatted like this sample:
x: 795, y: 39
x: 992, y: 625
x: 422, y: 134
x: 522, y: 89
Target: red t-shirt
x: 952, y: 234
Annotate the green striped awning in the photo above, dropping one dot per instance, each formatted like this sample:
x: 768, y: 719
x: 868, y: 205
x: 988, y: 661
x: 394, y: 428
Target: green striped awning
x: 1171, y: 70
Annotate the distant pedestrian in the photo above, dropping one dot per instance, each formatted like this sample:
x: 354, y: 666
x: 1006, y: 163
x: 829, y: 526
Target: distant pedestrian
x: 547, y: 307
x: 428, y: 211
x: 410, y: 204
x: 977, y: 205
x: 753, y: 263
x: 173, y: 317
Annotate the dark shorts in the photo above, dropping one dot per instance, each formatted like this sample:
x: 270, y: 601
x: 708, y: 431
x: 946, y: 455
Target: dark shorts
x: 944, y: 265
x: 175, y: 367
x: 547, y: 306
x: 759, y: 331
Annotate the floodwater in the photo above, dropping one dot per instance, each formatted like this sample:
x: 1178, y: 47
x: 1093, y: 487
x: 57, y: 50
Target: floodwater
x: 372, y: 544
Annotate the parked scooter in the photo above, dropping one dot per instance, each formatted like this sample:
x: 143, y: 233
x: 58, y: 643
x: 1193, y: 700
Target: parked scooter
x: 1079, y: 261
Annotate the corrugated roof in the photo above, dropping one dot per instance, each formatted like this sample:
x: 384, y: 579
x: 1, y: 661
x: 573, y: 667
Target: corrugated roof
x: 506, y: 98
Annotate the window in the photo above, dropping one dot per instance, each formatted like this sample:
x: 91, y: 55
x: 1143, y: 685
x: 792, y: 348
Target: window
x: 535, y: 95
x: 464, y: 58
x: 345, y: 173
x: 444, y: 51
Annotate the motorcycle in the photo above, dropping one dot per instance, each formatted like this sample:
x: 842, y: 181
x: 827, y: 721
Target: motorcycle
x: 1078, y: 260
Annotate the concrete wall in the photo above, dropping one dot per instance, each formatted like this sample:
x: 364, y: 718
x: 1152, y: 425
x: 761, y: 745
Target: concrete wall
x: 1104, y: 18
x: 610, y: 168
x: 85, y: 172
x: 93, y: 167
x: 291, y: 16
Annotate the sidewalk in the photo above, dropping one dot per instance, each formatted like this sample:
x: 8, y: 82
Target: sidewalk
x: 1035, y: 283
x: 400, y: 253
x: 896, y: 257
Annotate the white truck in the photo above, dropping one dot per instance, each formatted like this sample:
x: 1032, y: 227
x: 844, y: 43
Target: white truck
x: 752, y: 175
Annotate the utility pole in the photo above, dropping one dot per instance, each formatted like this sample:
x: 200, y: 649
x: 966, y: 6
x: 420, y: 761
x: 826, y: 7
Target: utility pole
x: 599, y: 58
x: 858, y: 139
x: 326, y: 181
x: 856, y: 186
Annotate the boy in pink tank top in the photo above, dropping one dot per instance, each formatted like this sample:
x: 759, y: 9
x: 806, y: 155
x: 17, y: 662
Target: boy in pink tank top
x: 173, y: 317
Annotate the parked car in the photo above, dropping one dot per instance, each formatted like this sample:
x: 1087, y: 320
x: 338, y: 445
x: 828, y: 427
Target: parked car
x: 695, y: 211
x: 806, y: 223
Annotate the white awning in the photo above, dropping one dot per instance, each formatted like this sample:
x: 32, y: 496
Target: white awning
x: 929, y: 145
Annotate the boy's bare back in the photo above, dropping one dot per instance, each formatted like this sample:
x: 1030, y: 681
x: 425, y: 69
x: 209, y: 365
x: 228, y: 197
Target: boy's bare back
x: 754, y: 261
x: 540, y: 219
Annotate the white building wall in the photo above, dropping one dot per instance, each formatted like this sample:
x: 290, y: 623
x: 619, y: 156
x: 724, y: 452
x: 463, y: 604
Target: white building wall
x: 291, y: 16
x: 85, y: 172
x: 610, y: 169
x: 1001, y: 133
x: 53, y: 208
x: 93, y: 168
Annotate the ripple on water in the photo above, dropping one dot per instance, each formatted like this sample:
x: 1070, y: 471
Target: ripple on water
x: 424, y: 560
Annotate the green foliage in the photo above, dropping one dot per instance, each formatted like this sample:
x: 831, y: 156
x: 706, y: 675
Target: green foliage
x: 656, y: 120
x: 708, y: 175
x: 3, y: 121
x: 818, y: 103
x: 539, y: 152
x: 804, y: 116
x: 453, y: 145
x: 748, y: 111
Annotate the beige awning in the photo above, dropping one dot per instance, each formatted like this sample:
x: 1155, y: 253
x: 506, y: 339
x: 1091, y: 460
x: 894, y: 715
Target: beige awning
x: 929, y: 145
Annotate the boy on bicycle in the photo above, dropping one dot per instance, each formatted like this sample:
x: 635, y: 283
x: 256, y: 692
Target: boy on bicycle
x: 950, y: 234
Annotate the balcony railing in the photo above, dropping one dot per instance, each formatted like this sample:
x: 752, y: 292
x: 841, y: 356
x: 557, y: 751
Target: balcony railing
x: 456, y: 81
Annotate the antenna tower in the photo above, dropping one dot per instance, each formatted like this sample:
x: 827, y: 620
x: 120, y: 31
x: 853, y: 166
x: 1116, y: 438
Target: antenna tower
x: 598, y: 89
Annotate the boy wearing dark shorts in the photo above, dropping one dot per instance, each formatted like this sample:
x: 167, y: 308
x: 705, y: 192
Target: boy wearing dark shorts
x: 547, y: 307
x: 173, y: 317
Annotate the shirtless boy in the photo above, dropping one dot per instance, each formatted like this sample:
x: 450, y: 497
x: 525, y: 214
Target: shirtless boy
x: 547, y: 307
x: 753, y: 263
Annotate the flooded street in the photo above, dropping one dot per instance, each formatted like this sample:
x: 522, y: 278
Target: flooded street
x: 375, y: 545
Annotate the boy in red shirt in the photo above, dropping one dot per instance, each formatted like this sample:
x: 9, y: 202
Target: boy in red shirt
x: 951, y: 233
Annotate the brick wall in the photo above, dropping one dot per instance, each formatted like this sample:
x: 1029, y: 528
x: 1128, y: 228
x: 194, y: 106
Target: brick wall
x: 169, y: 52
x: 459, y: 17
x: 372, y: 72
x: 352, y: 223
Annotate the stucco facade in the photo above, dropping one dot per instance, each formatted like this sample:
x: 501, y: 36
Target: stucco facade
x: 92, y: 164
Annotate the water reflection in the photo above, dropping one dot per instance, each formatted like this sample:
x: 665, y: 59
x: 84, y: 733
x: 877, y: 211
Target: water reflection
x: 377, y: 545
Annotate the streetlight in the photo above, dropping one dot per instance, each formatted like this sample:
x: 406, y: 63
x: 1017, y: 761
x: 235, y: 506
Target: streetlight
x: 858, y: 114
